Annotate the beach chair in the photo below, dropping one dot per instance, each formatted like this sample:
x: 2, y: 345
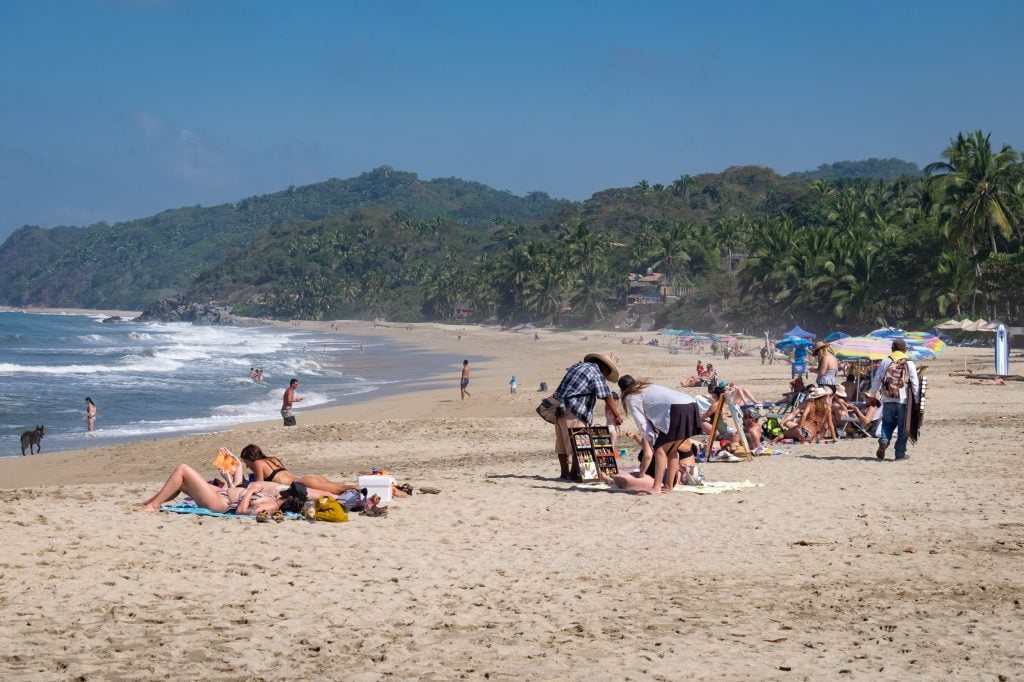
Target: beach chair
x: 782, y: 410
x: 849, y: 425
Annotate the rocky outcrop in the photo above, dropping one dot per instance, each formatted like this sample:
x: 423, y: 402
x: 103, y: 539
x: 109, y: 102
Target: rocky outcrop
x: 112, y: 318
x: 177, y: 309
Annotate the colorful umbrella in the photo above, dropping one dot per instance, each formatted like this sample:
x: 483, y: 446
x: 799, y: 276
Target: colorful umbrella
x: 875, y: 348
x: 923, y: 340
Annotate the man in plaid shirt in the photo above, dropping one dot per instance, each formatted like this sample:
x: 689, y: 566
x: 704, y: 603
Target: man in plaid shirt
x: 579, y: 390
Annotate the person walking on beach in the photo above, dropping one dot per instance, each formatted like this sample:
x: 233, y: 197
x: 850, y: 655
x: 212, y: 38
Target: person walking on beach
x: 897, y: 379
x: 464, y: 380
x: 513, y: 384
x: 578, y: 392
x: 90, y: 414
x: 289, y: 399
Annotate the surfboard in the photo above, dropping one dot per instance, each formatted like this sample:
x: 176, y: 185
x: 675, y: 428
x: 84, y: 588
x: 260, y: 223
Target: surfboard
x: 1002, y: 351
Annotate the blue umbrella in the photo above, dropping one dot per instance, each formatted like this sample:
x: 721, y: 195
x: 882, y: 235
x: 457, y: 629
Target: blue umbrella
x: 835, y: 336
x: 793, y: 342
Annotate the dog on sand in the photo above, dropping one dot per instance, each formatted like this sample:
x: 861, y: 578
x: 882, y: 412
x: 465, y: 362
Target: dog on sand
x: 32, y: 438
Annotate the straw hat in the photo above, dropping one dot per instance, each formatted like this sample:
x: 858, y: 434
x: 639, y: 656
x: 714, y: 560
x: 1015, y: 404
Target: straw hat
x: 841, y: 392
x: 613, y: 372
x: 818, y: 392
x: 818, y: 346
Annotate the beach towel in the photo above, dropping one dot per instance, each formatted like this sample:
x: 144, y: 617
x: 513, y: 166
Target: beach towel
x: 199, y: 511
x: 716, y: 487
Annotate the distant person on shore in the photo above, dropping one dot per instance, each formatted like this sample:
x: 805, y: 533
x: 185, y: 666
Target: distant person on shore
x: 289, y: 399
x: 464, y: 380
x: 90, y: 414
x: 513, y: 384
x: 536, y: 336
x: 764, y: 353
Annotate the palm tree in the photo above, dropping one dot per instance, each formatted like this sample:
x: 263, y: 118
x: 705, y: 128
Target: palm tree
x: 976, y: 185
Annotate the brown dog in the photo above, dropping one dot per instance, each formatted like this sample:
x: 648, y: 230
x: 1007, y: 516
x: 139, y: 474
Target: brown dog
x: 30, y: 438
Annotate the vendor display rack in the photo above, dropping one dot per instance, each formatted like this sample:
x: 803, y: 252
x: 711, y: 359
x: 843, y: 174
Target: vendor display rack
x: 593, y: 451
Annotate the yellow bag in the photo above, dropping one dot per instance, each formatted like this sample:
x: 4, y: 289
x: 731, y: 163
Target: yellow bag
x: 328, y: 509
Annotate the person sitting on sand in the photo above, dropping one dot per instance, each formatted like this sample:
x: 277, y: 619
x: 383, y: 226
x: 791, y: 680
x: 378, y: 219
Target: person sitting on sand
x: 665, y: 419
x: 256, y: 497
x: 267, y: 468
x: 988, y: 382
x: 752, y: 427
x: 814, y: 419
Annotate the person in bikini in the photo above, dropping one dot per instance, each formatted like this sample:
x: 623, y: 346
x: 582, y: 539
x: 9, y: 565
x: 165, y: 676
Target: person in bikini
x: 267, y: 468
x: 256, y: 497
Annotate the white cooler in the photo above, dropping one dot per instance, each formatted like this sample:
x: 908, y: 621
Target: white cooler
x: 377, y: 485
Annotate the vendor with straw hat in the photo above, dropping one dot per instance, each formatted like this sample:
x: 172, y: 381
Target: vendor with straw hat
x: 579, y: 391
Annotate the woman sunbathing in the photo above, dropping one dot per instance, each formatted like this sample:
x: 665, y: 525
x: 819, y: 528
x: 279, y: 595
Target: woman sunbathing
x: 641, y: 479
x: 257, y: 497
x: 267, y: 468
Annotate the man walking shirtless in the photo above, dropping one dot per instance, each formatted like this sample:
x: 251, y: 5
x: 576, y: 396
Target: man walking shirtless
x: 289, y: 399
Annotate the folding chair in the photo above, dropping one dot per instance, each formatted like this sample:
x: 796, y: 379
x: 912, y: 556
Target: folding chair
x: 848, y: 420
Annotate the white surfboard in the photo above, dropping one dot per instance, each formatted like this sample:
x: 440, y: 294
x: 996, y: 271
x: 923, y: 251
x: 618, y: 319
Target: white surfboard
x: 1002, y: 351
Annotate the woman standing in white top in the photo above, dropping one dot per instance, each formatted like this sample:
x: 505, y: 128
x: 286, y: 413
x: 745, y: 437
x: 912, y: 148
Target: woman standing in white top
x: 665, y: 420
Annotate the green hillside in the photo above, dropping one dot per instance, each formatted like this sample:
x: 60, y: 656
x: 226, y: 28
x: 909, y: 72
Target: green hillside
x: 131, y: 264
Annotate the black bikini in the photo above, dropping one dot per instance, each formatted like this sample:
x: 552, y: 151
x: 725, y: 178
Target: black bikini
x: 275, y: 472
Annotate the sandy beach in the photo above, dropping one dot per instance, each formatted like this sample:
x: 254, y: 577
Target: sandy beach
x: 835, y: 566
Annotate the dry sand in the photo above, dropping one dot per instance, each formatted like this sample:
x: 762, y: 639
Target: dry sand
x: 839, y: 566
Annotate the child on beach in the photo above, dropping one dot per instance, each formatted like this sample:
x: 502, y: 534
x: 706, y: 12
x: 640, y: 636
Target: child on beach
x: 513, y: 384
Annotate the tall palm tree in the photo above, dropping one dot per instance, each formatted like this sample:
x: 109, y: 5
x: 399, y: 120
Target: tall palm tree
x: 976, y: 184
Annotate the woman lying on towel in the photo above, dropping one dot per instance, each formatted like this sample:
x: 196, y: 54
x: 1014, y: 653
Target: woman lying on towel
x: 642, y: 480
x: 267, y: 468
x: 257, y: 497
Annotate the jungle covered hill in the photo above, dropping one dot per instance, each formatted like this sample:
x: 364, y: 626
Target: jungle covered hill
x: 132, y: 264
x: 859, y: 244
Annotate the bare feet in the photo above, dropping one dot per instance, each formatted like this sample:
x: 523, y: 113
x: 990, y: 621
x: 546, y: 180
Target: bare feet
x: 149, y: 508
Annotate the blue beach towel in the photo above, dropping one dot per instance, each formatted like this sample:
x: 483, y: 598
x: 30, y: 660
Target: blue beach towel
x: 199, y: 511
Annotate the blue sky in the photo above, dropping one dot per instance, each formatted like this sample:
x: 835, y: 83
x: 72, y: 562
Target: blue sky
x: 116, y: 109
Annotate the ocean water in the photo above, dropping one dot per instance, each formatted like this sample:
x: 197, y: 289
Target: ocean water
x: 152, y: 380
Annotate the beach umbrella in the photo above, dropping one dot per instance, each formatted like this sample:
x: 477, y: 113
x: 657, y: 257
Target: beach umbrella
x: 835, y: 335
x: 793, y: 342
x: 797, y: 331
x: 950, y: 324
x: 922, y: 340
x: 874, y: 348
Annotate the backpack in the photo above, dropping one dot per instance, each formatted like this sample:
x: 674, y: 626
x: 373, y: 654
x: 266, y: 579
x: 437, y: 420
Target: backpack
x: 895, y: 378
x: 772, y: 427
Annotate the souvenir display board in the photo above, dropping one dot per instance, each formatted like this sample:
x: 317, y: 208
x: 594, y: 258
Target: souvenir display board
x: 592, y: 448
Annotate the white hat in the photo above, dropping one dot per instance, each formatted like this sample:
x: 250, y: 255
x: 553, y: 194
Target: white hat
x: 817, y: 392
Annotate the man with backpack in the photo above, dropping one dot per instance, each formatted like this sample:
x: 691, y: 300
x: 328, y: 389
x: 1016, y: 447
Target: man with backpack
x: 896, y: 378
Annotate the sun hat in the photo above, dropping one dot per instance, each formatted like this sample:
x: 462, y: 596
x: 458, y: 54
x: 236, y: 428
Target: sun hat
x: 818, y: 346
x: 613, y: 372
x: 818, y: 392
x: 841, y: 392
